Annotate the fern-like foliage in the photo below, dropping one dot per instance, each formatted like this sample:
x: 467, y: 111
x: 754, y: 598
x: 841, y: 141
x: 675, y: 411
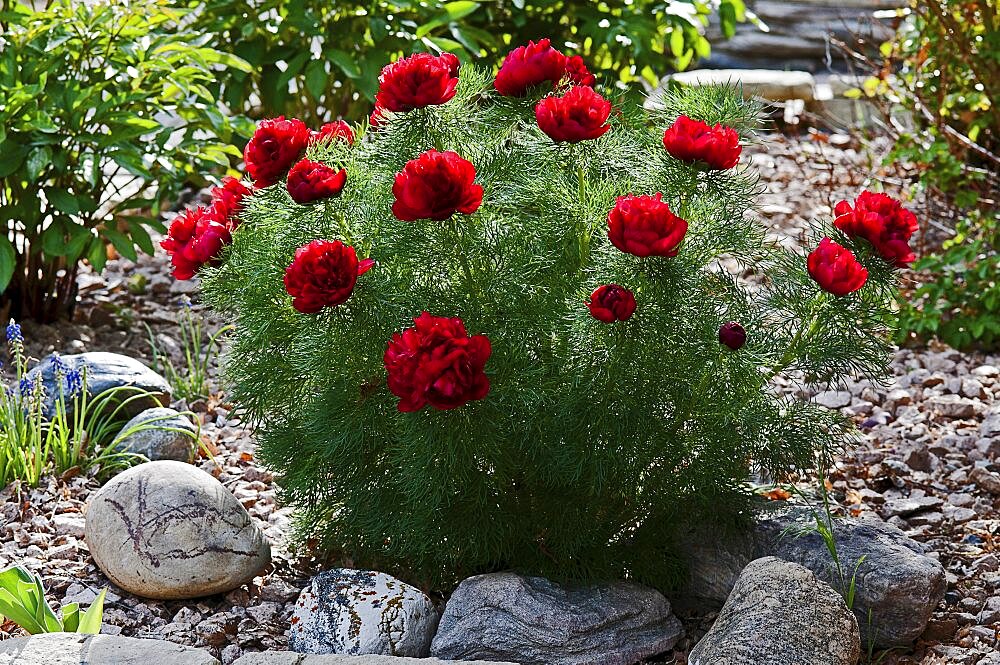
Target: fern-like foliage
x: 597, y: 442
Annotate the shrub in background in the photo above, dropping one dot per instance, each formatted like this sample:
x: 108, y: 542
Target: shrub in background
x: 508, y: 340
x: 315, y: 59
x: 943, y: 66
x: 105, y: 111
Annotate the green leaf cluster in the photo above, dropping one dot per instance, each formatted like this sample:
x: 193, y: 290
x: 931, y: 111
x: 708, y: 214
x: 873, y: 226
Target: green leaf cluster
x: 105, y: 111
x: 350, y: 42
x: 598, y: 444
x: 22, y: 600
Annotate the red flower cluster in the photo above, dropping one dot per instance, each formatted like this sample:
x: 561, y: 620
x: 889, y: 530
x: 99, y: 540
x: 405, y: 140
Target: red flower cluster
x: 275, y: 146
x: 311, y: 181
x: 645, y: 226
x: 610, y: 303
x: 436, y: 185
x: 835, y: 269
x: 579, y: 115
x: 534, y: 64
x: 436, y: 362
x: 227, y: 200
x: 338, y: 130
x: 883, y: 222
x: 323, y: 274
x: 415, y: 82
x: 693, y: 141
x: 197, y: 235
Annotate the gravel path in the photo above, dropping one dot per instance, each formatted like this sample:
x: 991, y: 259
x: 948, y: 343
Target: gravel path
x: 928, y: 463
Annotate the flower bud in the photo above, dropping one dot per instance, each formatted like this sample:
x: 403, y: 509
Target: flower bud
x: 733, y: 335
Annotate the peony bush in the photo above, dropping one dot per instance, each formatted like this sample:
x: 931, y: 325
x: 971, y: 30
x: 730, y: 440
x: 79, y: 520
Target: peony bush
x: 516, y: 322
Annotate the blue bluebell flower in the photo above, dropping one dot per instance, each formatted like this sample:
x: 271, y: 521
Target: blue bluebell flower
x: 26, y: 386
x: 74, y: 382
x: 14, y: 335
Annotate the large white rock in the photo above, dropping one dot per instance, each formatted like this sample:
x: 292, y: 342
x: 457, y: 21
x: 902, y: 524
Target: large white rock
x: 168, y: 530
x: 73, y: 649
x: 345, y: 611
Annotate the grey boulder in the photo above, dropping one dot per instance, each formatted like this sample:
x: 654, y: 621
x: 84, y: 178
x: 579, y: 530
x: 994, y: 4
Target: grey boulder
x: 897, y: 582
x: 345, y: 611
x: 168, y: 530
x: 73, y: 649
x: 104, y: 372
x: 505, y: 616
x: 290, y: 658
x: 169, y: 435
x: 780, y: 614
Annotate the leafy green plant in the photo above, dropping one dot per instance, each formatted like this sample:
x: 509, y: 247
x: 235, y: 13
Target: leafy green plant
x: 83, y: 432
x: 579, y: 446
x: 22, y: 600
x: 105, y: 111
x: 943, y: 67
x: 199, y: 350
x: 316, y: 60
x: 958, y: 297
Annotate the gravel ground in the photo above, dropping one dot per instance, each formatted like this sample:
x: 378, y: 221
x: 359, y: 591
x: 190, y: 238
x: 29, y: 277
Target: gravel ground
x: 928, y: 462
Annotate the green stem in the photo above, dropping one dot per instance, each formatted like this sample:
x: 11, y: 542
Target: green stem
x: 345, y: 229
x: 803, y: 333
x: 463, y: 260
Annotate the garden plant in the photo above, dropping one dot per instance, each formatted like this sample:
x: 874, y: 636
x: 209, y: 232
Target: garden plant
x: 82, y: 431
x: 353, y: 40
x: 104, y: 113
x: 517, y: 322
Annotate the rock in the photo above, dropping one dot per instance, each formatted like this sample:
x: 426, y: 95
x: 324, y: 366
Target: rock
x: 778, y: 614
x: 69, y: 525
x: 952, y: 406
x: 290, y: 658
x: 104, y: 372
x: 530, y: 620
x: 985, y: 480
x: 911, y: 506
x: 897, y: 581
x: 918, y: 459
x: 168, y: 530
x: 833, y: 399
x: 355, y: 612
x: 773, y: 85
x: 73, y: 649
x: 173, y: 436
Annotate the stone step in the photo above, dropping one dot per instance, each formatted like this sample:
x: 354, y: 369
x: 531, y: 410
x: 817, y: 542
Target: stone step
x: 73, y: 649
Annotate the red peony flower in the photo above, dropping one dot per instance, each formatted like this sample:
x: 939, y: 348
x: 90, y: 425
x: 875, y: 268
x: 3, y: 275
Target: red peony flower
x: 610, y: 303
x: 436, y: 362
x: 227, y: 200
x: 645, y: 226
x: 693, y: 141
x: 417, y: 81
x: 578, y: 73
x: 436, y: 185
x: 579, y: 115
x: 883, y: 222
x: 528, y: 66
x: 376, y: 117
x: 338, y: 130
x: 733, y: 335
x: 835, y: 269
x: 323, y: 274
x: 311, y: 181
x: 275, y: 146
x: 195, y: 238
